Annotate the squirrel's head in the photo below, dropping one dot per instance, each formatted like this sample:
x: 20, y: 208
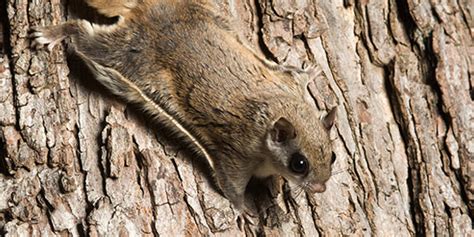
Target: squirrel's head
x: 301, y: 149
x: 297, y: 142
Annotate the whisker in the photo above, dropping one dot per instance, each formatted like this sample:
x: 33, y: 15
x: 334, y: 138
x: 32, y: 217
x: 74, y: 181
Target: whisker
x: 291, y: 194
x: 295, y: 190
x: 298, y: 191
x: 338, y: 171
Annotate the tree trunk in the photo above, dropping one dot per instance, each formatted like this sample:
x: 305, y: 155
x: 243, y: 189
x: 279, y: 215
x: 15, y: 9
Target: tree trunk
x: 76, y: 160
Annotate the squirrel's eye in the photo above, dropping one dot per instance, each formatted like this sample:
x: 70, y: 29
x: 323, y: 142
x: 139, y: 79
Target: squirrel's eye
x: 333, y: 158
x: 299, y: 164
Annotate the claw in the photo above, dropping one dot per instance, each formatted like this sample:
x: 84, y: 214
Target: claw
x: 243, y: 217
x: 44, y: 37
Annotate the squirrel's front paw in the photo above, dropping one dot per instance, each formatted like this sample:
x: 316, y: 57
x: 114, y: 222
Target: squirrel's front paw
x: 46, y: 36
x: 245, y: 216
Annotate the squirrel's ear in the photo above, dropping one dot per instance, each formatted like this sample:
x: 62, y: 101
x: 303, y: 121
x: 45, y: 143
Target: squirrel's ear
x: 282, y: 131
x: 330, y: 118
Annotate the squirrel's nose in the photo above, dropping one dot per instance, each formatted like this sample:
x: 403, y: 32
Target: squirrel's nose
x: 317, y: 187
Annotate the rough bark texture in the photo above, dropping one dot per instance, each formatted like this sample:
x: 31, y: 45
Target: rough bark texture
x: 75, y: 160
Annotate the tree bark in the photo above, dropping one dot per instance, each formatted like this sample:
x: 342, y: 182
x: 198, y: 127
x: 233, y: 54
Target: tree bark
x: 76, y: 160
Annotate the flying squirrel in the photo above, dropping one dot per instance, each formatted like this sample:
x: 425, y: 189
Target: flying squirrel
x: 180, y: 62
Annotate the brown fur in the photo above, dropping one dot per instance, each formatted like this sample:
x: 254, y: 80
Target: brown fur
x: 180, y: 62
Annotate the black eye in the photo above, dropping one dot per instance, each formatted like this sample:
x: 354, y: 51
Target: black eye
x: 299, y: 164
x: 333, y: 158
